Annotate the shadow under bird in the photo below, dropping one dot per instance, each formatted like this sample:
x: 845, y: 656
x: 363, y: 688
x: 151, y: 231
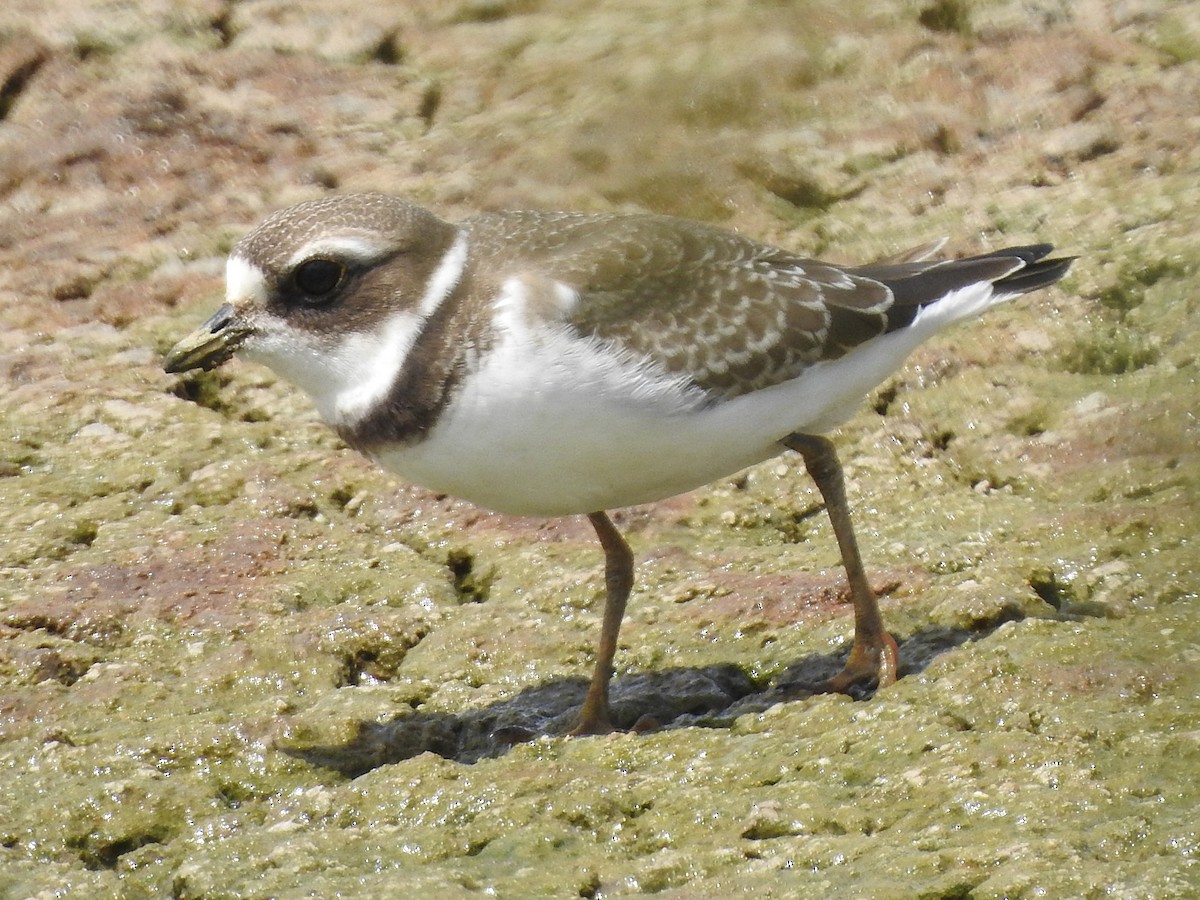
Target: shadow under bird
x: 550, y: 364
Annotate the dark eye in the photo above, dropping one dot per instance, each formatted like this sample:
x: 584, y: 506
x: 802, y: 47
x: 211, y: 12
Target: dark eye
x: 317, y: 278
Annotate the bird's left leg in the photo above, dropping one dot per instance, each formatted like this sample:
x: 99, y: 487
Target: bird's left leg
x: 618, y: 582
x: 874, y: 659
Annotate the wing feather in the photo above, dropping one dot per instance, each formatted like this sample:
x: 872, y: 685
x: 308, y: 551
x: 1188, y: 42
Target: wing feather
x: 731, y: 314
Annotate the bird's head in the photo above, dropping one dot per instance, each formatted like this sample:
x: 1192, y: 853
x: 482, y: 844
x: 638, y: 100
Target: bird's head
x: 316, y: 289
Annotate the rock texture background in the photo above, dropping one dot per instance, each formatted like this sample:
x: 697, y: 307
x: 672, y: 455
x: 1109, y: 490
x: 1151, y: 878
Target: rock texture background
x: 237, y: 661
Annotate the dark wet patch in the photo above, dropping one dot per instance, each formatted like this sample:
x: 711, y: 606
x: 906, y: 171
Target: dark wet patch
x: 20, y: 63
x: 206, y: 389
x: 65, y: 665
x: 472, y: 582
x: 97, y: 850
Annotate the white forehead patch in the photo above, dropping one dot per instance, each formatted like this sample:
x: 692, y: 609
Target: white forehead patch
x: 244, y: 283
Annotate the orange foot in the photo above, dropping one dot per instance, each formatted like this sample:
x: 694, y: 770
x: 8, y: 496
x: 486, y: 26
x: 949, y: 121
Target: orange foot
x: 591, y: 724
x: 872, y: 664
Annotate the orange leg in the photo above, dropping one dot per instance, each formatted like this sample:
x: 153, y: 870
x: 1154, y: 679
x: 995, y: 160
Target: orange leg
x: 874, y: 659
x: 618, y: 582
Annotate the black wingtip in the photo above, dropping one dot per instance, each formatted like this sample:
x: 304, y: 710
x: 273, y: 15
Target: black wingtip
x: 1037, y: 272
x: 1028, y: 254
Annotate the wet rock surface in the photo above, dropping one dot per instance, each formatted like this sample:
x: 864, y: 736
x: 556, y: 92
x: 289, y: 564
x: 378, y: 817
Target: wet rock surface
x: 238, y: 661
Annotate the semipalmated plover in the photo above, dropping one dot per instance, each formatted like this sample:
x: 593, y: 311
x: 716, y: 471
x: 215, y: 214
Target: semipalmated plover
x: 549, y: 364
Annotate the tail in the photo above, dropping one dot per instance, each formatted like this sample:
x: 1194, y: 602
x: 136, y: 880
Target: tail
x: 1015, y: 270
x: 928, y: 296
x: 1036, y: 272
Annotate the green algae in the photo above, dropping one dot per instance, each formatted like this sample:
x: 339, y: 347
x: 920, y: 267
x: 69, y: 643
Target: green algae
x: 1053, y: 757
x: 199, y: 584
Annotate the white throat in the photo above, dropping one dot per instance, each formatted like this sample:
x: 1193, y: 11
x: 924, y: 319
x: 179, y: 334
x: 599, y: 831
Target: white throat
x: 346, y: 378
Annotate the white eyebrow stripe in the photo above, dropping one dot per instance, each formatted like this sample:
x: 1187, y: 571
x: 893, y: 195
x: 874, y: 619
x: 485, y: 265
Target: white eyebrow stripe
x: 353, y: 247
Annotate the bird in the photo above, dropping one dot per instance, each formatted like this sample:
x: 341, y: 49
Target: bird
x: 565, y: 363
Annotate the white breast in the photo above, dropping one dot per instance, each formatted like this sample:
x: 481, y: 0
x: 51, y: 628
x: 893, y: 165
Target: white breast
x: 552, y: 424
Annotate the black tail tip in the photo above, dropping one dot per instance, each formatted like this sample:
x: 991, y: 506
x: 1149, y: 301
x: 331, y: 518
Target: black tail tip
x: 1038, y: 272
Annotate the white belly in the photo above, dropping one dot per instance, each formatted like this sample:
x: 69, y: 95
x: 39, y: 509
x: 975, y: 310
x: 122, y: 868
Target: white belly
x: 558, y: 426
